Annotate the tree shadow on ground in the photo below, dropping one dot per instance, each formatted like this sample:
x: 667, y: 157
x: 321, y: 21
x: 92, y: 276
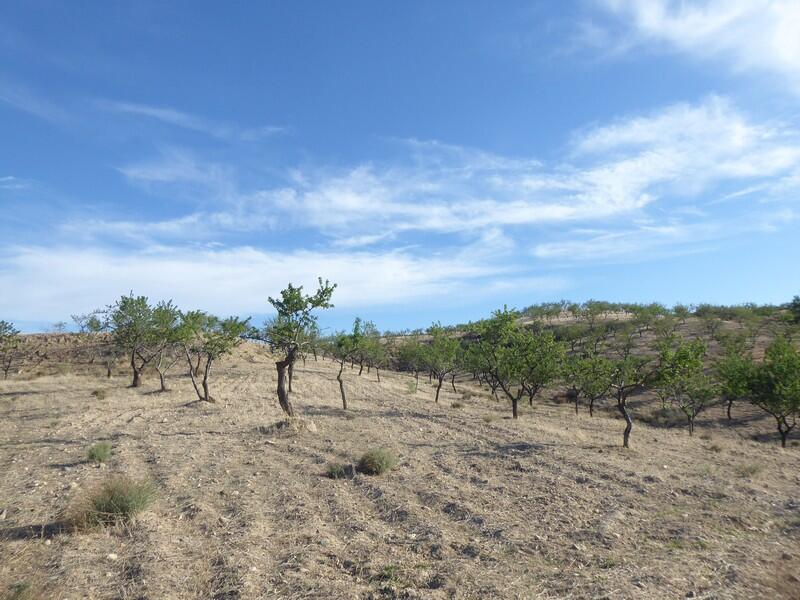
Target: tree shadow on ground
x: 36, y: 531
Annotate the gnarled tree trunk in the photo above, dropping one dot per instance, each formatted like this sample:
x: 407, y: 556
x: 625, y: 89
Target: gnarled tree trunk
x: 623, y: 408
x: 137, y: 374
x: 341, y: 385
x: 283, y: 394
x: 438, y: 388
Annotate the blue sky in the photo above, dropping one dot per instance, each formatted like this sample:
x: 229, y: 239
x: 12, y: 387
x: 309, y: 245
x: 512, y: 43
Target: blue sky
x: 435, y: 159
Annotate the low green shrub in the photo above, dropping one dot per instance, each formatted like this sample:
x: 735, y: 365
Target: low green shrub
x: 376, y: 462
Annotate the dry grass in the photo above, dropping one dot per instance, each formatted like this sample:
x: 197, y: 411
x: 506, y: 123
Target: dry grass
x: 115, y: 501
x: 481, y: 506
x: 99, y: 452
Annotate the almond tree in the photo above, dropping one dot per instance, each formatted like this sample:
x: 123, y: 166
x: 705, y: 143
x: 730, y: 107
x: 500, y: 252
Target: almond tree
x: 131, y: 324
x: 732, y: 372
x: 410, y: 357
x: 441, y: 355
x: 591, y: 377
x: 9, y: 344
x: 629, y: 373
x: 774, y: 385
x: 498, y: 350
x: 344, y: 346
x: 794, y: 309
x: 682, y: 378
x: 206, y: 338
x: 541, y: 359
x: 167, y: 337
x: 287, y: 334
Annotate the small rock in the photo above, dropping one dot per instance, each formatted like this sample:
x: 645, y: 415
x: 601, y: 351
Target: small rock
x: 47, y: 542
x: 3, y: 514
x: 784, y: 556
x: 112, y: 556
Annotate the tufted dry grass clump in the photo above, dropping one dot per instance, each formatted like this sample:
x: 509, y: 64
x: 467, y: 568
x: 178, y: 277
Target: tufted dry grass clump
x: 376, y: 462
x: 99, y: 452
x: 116, y: 501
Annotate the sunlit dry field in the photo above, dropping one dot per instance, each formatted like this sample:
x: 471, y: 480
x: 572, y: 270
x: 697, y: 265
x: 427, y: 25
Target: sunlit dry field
x: 479, y: 506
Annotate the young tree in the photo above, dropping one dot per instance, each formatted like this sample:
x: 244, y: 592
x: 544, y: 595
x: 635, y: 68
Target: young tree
x: 410, y: 357
x: 733, y: 373
x: 630, y: 371
x: 501, y: 348
x: 167, y: 338
x: 794, y: 309
x: 592, y: 378
x: 9, y: 346
x: 207, y: 338
x: 287, y: 334
x: 694, y: 395
x: 541, y: 358
x: 88, y: 326
x: 344, y: 346
x: 774, y: 385
x: 131, y: 323
x: 441, y: 355
x: 681, y: 312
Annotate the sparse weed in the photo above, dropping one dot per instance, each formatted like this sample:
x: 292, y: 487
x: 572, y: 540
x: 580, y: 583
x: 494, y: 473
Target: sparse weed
x: 100, y: 452
x: 747, y: 470
x: 715, y: 448
x: 117, y: 500
x: 664, y: 417
x: 456, y: 405
x: 22, y: 590
x: 411, y: 387
x: 376, y: 462
x: 390, y: 573
x: 488, y: 418
x: 336, y: 471
x: 100, y: 394
x: 608, y: 563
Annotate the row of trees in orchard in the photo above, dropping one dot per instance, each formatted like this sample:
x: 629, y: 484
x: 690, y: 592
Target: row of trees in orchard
x: 163, y: 336
x: 593, y: 353
x: 516, y: 360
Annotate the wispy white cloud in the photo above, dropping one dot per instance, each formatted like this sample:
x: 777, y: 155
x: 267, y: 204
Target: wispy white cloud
x: 184, y: 120
x: 58, y: 281
x: 178, y: 167
x: 748, y: 34
x: 23, y: 98
x: 651, y: 240
x: 612, y: 171
x: 9, y: 182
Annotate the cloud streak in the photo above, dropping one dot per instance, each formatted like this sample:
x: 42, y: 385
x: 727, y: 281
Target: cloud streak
x: 751, y: 35
x: 184, y: 120
x: 58, y: 281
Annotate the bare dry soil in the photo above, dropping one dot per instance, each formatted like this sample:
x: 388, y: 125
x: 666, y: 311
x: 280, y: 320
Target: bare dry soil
x: 479, y: 506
